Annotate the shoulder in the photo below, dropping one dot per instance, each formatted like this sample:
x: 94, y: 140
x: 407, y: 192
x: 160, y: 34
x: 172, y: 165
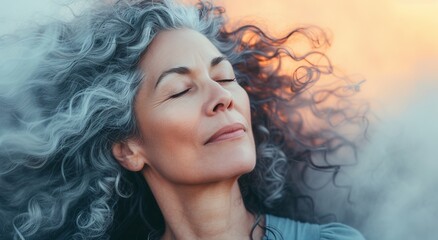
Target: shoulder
x: 284, y: 228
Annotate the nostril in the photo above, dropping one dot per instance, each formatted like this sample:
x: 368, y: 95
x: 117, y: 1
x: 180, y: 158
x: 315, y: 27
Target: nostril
x: 218, y: 106
x: 220, y: 99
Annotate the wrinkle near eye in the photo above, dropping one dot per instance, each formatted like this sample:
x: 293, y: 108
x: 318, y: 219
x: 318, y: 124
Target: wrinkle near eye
x: 157, y: 103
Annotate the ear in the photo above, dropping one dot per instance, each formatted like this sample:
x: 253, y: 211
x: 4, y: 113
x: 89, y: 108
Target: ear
x: 130, y: 154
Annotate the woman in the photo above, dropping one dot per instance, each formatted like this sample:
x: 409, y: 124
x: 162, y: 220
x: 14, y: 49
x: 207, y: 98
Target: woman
x: 145, y: 121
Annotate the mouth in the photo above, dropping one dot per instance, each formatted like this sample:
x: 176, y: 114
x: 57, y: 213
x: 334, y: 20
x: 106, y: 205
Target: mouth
x: 232, y: 131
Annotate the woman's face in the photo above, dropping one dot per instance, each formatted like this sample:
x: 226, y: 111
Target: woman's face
x: 194, y: 119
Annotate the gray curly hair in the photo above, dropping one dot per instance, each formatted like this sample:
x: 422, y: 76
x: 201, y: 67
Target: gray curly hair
x: 66, y: 103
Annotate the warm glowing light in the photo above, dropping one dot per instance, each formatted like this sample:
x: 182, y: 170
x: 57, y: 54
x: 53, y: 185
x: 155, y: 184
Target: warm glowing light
x: 387, y: 42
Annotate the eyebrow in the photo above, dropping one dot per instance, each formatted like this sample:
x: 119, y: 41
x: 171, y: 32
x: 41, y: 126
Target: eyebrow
x: 185, y: 70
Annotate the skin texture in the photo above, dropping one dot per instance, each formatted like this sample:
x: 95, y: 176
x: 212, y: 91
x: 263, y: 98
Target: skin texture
x: 194, y: 182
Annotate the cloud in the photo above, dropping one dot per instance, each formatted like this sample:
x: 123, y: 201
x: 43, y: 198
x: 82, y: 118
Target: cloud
x: 394, y: 185
x: 23, y: 13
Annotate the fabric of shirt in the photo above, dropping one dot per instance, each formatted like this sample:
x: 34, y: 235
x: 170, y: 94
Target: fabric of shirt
x: 282, y: 228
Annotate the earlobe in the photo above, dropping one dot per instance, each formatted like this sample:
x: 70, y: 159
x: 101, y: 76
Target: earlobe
x: 129, y: 154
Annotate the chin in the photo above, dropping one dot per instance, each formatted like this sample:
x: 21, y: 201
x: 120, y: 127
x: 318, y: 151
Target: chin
x: 231, y: 161
x: 244, y: 163
x: 246, y: 160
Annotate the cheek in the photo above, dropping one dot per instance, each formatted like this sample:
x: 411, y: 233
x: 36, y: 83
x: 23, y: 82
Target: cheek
x: 166, y: 128
x: 170, y: 140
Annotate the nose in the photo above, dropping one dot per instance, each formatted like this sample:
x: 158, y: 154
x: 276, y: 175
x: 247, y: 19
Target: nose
x: 219, y: 99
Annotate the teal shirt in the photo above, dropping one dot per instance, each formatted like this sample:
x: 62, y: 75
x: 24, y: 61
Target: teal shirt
x: 283, y: 228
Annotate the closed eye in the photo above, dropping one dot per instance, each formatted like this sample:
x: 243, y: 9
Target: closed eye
x: 188, y: 89
x: 180, y: 93
x: 226, y: 80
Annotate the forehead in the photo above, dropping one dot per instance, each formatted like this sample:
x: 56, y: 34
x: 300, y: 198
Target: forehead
x: 173, y: 48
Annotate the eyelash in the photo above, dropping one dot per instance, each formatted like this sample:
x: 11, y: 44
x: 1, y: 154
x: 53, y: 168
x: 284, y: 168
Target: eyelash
x: 188, y: 89
x: 227, y: 80
x: 180, y: 93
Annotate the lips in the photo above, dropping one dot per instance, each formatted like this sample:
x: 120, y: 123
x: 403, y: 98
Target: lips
x: 231, y: 131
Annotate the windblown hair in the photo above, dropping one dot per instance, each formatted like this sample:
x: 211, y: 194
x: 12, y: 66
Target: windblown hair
x: 67, y: 93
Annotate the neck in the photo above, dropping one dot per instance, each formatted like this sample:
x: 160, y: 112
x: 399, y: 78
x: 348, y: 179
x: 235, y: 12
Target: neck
x: 210, y: 211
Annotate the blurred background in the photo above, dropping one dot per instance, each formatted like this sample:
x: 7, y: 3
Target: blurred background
x: 388, y: 42
x: 393, y: 45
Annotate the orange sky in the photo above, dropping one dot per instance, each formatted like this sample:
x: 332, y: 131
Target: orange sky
x: 388, y: 42
x: 393, y: 44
